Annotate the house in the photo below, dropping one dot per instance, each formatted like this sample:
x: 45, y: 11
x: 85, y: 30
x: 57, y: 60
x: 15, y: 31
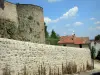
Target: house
x: 96, y: 45
x: 74, y: 41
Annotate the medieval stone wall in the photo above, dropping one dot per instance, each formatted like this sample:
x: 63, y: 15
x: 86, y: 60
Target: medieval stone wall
x: 9, y: 12
x: 23, y: 22
x: 31, y: 26
x: 17, y: 54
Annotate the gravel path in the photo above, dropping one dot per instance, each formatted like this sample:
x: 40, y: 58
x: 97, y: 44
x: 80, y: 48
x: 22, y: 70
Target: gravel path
x: 97, y: 65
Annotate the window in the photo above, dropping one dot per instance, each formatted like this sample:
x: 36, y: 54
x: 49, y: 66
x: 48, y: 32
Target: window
x: 80, y: 45
x: 64, y: 44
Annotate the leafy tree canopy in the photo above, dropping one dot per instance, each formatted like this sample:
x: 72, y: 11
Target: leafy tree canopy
x: 53, y: 34
x: 53, y: 38
x: 97, y: 37
x: 46, y: 32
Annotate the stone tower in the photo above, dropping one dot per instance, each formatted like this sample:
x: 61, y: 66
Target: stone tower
x: 23, y: 22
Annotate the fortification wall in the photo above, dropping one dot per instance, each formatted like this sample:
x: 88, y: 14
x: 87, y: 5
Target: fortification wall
x: 17, y: 54
x: 8, y: 21
x: 31, y: 23
x: 23, y: 22
x: 9, y: 12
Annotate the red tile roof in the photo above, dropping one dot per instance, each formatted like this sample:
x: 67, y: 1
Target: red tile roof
x: 73, y: 39
x: 78, y: 40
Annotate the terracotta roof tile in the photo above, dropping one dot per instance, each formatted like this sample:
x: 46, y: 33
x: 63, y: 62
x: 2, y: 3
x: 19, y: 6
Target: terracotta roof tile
x: 73, y: 39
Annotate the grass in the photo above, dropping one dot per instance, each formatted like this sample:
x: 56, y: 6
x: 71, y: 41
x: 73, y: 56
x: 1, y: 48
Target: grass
x: 68, y: 68
x: 25, y: 71
x: 89, y: 67
x: 42, y: 70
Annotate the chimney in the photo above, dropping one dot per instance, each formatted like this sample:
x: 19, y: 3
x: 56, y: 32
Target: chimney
x: 73, y: 34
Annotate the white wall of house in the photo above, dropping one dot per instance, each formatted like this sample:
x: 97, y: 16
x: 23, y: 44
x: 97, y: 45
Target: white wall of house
x: 85, y: 46
x: 74, y: 45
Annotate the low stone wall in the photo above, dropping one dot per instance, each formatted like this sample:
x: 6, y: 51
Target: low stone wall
x: 31, y: 57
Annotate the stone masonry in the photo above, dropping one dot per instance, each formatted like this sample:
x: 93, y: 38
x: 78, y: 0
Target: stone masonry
x: 23, y: 22
x: 17, y: 54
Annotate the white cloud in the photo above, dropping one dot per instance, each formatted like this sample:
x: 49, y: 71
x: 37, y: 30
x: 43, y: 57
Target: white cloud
x: 54, y: 1
x: 98, y: 22
x: 92, y: 18
x: 78, y: 23
x: 47, y: 20
x: 70, y: 13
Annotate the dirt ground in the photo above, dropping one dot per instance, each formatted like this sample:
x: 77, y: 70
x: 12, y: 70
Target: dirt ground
x: 96, y: 70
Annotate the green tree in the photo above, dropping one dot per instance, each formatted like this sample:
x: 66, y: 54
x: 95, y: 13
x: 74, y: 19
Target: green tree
x: 46, y: 32
x: 57, y: 36
x: 53, y: 38
x: 17, y: 3
x: 97, y: 37
x: 53, y: 34
x: 93, y: 55
x: 93, y: 52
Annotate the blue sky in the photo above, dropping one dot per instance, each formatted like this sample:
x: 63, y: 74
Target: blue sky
x: 66, y: 16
